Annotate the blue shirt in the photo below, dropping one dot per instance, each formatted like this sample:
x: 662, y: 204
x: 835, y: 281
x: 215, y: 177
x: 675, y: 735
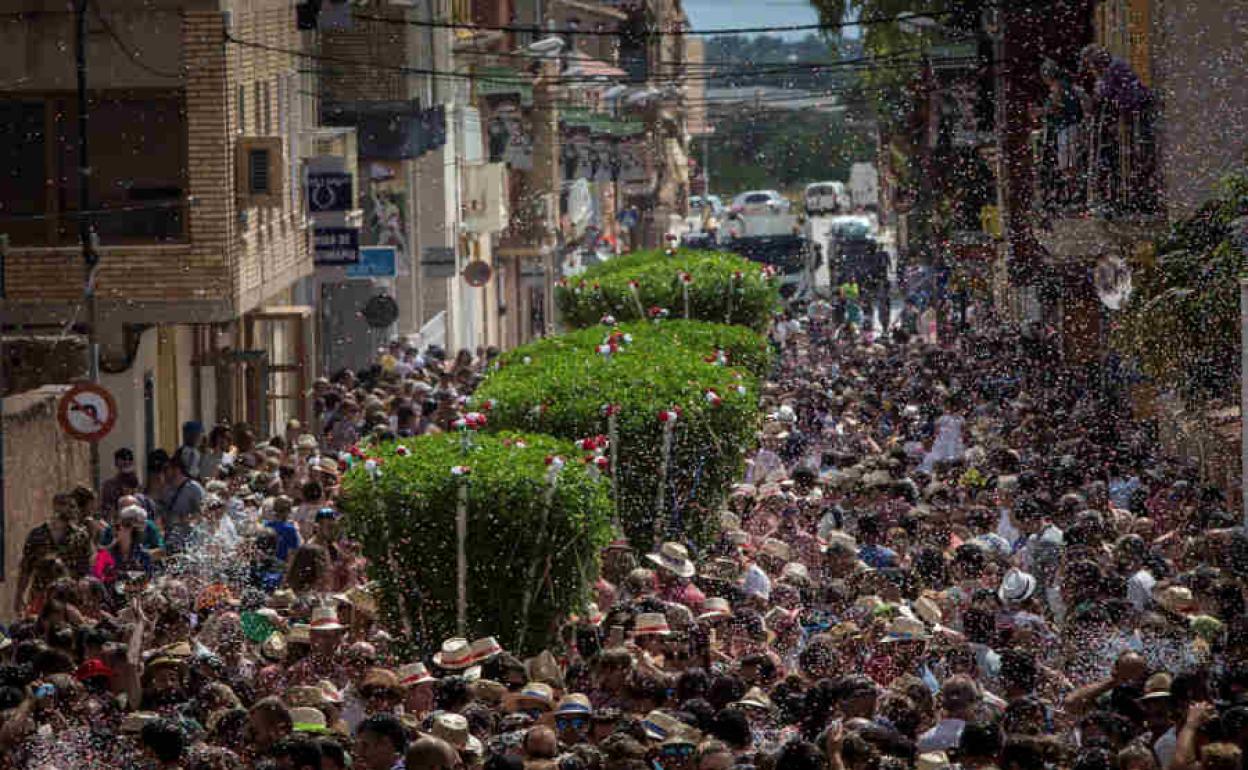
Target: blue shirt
x: 287, y: 537
x: 877, y: 556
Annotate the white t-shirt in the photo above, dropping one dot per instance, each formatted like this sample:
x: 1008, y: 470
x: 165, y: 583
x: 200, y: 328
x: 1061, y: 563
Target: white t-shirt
x: 944, y: 736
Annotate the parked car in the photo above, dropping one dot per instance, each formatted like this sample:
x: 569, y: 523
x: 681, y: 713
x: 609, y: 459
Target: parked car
x: 826, y: 198
x: 699, y: 202
x: 760, y: 202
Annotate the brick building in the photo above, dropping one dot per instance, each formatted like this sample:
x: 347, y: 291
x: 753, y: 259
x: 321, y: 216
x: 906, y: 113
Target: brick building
x: 194, y: 198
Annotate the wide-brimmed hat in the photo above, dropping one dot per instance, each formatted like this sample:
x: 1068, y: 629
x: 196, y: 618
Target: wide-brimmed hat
x: 325, y: 618
x: 721, y: 568
x: 659, y: 725
x: 485, y: 648
x: 928, y: 610
x: 274, y: 647
x: 300, y: 633
x: 1157, y: 687
x: 455, y: 655
x: 538, y: 694
x: 932, y: 760
x: 715, y: 608
x: 575, y: 703
x: 453, y: 728
x: 1176, y: 599
x: 755, y: 698
x: 306, y: 719
x: 412, y: 674
x: 651, y: 623
x: 905, y: 629
x: 305, y: 695
x: 282, y: 598
x: 306, y: 442
x: 331, y: 692
x: 1017, y: 587
x: 776, y: 549
x: 381, y: 678
x: 134, y: 721
x: 674, y: 558
x: 795, y: 570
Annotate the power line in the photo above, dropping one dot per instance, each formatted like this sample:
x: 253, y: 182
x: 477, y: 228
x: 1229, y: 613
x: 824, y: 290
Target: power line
x: 650, y: 33
x: 131, y: 55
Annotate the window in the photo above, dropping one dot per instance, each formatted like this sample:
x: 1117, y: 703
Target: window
x: 260, y: 171
x: 137, y: 188
x: 242, y: 109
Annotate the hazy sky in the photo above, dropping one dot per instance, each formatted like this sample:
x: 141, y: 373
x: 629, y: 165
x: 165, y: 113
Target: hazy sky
x: 709, y: 14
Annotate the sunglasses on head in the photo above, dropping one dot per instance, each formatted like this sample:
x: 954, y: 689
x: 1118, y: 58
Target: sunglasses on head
x: 677, y: 750
x: 571, y: 723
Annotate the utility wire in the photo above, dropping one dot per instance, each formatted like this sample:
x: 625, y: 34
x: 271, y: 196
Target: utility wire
x: 130, y: 54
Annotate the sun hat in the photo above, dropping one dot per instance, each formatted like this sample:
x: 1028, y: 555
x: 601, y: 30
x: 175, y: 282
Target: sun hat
x: 795, y: 570
x: 1176, y: 599
x: 755, y: 698
x: 484, y: 649
x: 674, y: 558
x: 659, y: 725
x: 306, y: 442
x: 651, y: 623
x: 715, y: 608
x: 282, y: 598
x: 455, y: 655
x: 932, y: 760
x: 489, y: 691
x: 453, y: 728
x: 305, y: 719
x: 905, y: 629
x: 575, y: 703
x: 332, y: 694
x: 300, y: 633
x: 776, y: 549
x: 381, y: 679
x: 1017, y: 587
x: 721, y: 568
x: 135, y: 720
x: 305, y: 695
x: 274, y: 647
x: 1157, y: 686
x: 928, y: 610
x: 412, y: 674
x: 538, y: 693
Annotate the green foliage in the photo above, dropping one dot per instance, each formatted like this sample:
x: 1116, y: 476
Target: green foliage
x: 784, y: 148
x: 717, y: 293
x: 560, y: 386
x: 405, y: 519
x: 1182, y: 322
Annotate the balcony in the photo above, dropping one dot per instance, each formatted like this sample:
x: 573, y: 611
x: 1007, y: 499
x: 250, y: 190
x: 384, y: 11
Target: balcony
x: 1101, y: 167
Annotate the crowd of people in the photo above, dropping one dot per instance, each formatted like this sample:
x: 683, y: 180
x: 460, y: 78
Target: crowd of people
x: 939, y: 556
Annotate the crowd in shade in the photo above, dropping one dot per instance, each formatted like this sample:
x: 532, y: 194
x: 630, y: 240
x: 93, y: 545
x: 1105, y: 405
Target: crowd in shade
x: 954, y: 555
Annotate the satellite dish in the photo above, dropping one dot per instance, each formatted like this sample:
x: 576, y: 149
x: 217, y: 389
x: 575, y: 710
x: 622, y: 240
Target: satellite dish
x: 1112, y: 279
x: 380, y: 311
x: 477, y: 273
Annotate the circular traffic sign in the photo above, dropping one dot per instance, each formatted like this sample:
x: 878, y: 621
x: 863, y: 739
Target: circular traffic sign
x: 87, y: 412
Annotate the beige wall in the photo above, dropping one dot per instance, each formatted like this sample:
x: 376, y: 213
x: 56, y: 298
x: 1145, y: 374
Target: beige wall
x: 1200, y: 71
x: 39, y: 461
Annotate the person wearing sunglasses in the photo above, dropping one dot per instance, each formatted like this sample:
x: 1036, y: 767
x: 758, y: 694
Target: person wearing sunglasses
x: 676, y: 753
x: 572, y: 719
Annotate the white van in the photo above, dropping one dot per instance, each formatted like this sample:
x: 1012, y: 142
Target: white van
x: 826, y: 198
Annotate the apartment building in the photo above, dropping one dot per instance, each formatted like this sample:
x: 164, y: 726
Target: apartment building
x: 194, y: 201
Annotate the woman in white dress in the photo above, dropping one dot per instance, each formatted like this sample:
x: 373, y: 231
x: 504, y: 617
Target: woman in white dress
x: 949, y: 445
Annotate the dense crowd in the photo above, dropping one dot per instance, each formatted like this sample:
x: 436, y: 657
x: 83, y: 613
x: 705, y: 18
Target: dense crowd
x: 940, y: 555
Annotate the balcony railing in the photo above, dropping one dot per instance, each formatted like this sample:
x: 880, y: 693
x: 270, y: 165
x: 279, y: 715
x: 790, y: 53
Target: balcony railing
x: 1103, y: 166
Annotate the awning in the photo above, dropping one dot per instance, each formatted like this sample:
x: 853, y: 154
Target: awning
x: 584, y: 66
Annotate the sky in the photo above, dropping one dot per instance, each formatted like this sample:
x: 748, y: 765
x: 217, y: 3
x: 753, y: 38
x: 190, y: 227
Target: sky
x: 710, y: 14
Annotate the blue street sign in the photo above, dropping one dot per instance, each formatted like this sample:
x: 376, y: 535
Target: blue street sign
x: 375, y: 262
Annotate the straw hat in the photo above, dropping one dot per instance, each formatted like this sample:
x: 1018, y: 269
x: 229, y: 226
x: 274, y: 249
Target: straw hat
x: 274, y: 647
x: 453, y: 728
x: 651, y: 623
x: 729, y: 521
x: 489, y: 691
x: 932, y: 760
x: 325, y: 618
x: 1176, y: 599
x: 305, y: 719
x: 381, y: 678
x: 905, y: 629
x: 1017, y: 587
x: 659, y: 725
x: 305, y: 695
x: 576, y: 703
x: 412, y: 674
x: 484, y: 649
x: 134, y: 721
x: 361, y: 599
x: 306, y: 442
x: 928, y: 610
x: 332, y: 694
x: 795, y: 570
x: 776, y: 549
x: 715, y: 608
x: 282, y: 599
x: 300, y: 633
x: 455, y: 655
x: 755, y: 698
x: 538, y: 694
x: 674, y: 558
x: 724, y: 569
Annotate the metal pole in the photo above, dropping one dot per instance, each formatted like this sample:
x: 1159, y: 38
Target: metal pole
x: 89, y: 257
x: 1240, y: 240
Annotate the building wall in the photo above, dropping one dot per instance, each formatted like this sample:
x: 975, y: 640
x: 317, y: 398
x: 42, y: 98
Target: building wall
x: 39, y: 461
x: 1200, y: 74
x: 127, y: 390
